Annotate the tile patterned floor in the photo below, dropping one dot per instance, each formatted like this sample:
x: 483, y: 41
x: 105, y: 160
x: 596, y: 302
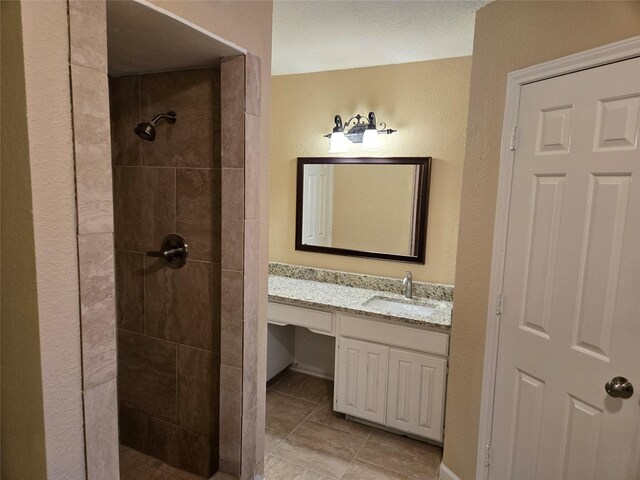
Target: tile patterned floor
x: 307, y: 440
x: 138, y: 466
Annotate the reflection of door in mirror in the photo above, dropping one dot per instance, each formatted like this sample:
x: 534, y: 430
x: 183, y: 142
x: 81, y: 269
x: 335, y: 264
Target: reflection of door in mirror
x: 318, y: 205
x: 363, y: 206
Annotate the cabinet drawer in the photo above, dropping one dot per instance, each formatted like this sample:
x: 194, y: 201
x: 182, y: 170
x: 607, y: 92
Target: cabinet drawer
x: 394, y: 334
x: 314, y: 320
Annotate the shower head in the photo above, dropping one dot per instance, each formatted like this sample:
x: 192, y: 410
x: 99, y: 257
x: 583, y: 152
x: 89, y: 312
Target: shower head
x: 147, y: 130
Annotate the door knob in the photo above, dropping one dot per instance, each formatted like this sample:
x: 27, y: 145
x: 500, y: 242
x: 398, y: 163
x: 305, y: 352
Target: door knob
x: 174, y: 250
x: 619, y: 387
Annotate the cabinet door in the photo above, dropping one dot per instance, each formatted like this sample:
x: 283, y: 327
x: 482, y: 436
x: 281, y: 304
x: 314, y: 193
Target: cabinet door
x: 362, y: 379
x: 416, y: 393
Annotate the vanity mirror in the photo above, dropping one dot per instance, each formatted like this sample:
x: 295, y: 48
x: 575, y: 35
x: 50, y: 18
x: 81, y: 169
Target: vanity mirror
x: 363, y: 207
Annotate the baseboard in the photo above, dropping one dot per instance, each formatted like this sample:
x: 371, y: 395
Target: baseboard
x: 446, y: 474
x: 296, y: 367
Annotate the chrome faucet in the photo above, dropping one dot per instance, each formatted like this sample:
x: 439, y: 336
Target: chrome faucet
x: 407, y: 284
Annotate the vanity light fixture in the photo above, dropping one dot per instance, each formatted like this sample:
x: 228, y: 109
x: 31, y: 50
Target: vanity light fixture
x: 360, y: 130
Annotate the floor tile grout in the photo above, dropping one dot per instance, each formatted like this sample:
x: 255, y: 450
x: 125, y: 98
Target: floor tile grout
x: 357, y: 453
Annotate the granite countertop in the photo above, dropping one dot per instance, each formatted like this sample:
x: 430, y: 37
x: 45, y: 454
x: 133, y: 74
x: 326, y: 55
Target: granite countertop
x: 295, y: 291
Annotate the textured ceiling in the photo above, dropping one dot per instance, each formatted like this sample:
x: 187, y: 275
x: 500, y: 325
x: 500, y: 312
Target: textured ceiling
x: 321, y: 35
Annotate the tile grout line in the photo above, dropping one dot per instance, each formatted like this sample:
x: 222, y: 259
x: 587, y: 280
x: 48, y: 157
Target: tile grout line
x: 357, y: 453
x: 289, y: 434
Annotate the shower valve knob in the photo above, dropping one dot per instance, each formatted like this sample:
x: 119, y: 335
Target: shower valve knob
x: 174, y: 250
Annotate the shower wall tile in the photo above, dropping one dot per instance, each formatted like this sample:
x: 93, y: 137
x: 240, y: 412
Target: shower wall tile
x: 231, y: 417
x: 94, y: 193
x: 252, y: 84
x: 252, y: 168
x: 134, y: 428
x: 231, y: 318
x: 124, y: 96
x: 178, y: 302
x: 216, y: 305
x: 179, y: 447
x: 248, y: 444
x: 232, y: 214
x: 130, y: 290
x: 251, y: 267
x: 196, y: 377
x: 198, y: 213
x: 188, y: 142
x: 232, y: 111
x: 101, y: 431
x: 229, y: 467
x: 88, y: 34
x: 250, y: 365
x: 147, y: 374
x: 144, y: 205
x: 97, y: 307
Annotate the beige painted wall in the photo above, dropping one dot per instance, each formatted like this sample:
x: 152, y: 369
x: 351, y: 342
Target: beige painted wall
x: 22, y: 417
x: 40, y: 290
x: 373, y: 207
x: 247, y: 24
x: 45, y: 313
x: 508, y: 36
x: 425, y: 101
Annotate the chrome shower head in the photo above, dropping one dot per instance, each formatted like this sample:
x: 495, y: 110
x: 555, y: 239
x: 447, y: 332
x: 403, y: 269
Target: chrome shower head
x: 147, y: 130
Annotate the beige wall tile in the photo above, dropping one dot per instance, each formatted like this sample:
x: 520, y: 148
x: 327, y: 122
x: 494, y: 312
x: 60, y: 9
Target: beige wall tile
x: 92, y: 141
x: 88, y: 34
x: 251, y: 268
x: 231, y: 318
x: 232, y: 112
x: 101, y: 431
x: 252, y: 168
x: 97, y: 302
x: 250, y: 365
x: 252, y: 84
x: 248, y: 462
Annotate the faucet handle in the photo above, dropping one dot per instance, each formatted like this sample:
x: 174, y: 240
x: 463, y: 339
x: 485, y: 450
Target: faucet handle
x: 409, y: 275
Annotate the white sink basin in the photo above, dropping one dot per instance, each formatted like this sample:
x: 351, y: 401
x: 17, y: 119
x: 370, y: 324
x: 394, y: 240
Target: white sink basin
x: 398, y: 307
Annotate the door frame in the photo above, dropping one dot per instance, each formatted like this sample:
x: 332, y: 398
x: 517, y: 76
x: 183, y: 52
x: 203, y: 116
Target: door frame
x: 614, y: 52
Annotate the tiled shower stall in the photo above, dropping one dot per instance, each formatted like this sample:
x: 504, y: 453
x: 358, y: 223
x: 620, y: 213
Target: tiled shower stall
x: 186, y: 355
x: 168, y: 319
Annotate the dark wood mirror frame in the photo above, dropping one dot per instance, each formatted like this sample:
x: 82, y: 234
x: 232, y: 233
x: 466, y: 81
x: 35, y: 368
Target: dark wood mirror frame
x: 422, y: 207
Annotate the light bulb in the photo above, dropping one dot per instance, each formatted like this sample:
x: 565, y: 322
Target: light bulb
x: 338, y: 143
x: 370, y: 140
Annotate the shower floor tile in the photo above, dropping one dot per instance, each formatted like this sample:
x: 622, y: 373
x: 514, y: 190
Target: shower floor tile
x: 307, y: 440
x: 138, y: 466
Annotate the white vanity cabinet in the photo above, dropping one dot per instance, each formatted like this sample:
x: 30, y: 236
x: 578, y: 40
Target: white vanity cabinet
x: 391, y: 374
x: 361, y: 387
x: 415, y: 393
x: 386, y: 372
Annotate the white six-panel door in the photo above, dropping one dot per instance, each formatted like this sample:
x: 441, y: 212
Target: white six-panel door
x: 571, y: 295
x: 317, y: 207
